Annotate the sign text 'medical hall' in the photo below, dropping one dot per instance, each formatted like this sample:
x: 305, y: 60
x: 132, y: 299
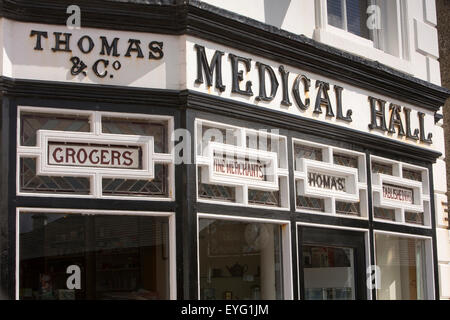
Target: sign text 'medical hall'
x: 391, y: 118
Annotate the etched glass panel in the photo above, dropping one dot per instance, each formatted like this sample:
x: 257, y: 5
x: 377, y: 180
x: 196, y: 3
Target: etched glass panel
x: 30, y: 123
x: 30, y: 182
x: 335, y: 13
x: 345, y: 160
x: 240, y: 260
x: 414, y: 217
x: 403, y: 262
x: 220, y: 135
x: 132, y: 187
x: 215, y: 192
x: 115, y: 257
x: 306, y: 152
x: 412, y: 175
x: 267, y: 198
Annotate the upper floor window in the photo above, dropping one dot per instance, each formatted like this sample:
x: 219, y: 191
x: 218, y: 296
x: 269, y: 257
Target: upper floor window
x: 349, y: 15
x: 359, y: 26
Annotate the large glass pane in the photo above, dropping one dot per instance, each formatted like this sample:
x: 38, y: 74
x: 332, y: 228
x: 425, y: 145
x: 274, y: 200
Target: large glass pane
x: 240, y: 260
x: 402, y: 265
x: 329, y: 273
x: 74, y: 256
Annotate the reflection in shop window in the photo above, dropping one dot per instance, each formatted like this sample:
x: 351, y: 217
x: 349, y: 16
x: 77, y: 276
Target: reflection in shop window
x: 240, y: 260
x: 118, y: 257
x: 402, y: 266
x: 329, y: 273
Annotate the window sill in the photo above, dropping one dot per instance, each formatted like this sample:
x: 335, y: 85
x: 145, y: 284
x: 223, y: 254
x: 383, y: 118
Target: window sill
x: 356, y: 45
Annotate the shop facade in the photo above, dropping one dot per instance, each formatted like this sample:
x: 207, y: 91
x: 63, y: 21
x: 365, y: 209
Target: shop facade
x: 190, y: 152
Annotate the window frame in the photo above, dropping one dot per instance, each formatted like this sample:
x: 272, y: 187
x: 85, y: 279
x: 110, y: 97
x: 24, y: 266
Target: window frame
x: 171, y: 226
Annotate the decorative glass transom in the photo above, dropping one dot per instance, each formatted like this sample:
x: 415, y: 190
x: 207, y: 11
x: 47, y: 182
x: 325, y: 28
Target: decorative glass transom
x: 400, y: 192
x: 63, y: 152
x: 329, y: 180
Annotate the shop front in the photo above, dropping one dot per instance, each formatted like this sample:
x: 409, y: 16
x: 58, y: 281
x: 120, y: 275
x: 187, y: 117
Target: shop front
x: 154, y: 165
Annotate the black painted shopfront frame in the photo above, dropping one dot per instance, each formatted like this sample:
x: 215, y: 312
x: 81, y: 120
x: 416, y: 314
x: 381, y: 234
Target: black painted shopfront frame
x: 185, y: 107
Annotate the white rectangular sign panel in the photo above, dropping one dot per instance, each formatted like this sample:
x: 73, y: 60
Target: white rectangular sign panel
x: 93, y: 156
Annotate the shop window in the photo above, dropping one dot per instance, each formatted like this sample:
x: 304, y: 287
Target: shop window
x: 94, y: 154
x: 242, y: 260
x: 241, y: 166
x: 405, y: 267
x: 345, y: 160
x: 94, y: 255
x: 329, y: 180
x: 268, y: 198
x: 348, y: 208
x: 400, y: 192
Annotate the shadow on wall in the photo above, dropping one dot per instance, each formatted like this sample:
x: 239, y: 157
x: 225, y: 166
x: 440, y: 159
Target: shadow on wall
x: 275, y: 11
